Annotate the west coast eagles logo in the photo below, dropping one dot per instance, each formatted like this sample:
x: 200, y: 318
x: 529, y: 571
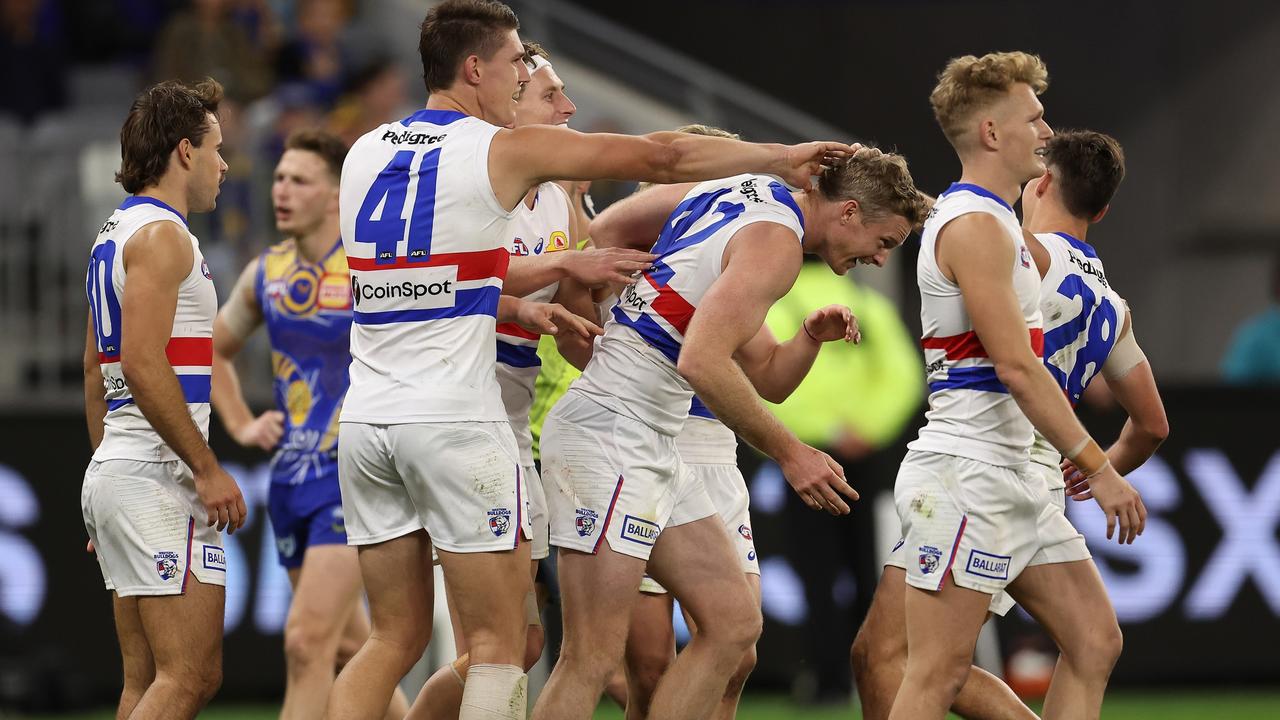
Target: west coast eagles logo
x: 499, y: 521
x: 586, y: 521
x: 167, y: 565
x: 930, y: 558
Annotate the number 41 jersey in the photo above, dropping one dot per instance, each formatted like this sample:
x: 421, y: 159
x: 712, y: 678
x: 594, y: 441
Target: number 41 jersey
x: 1083, y: 315
x: 426, y: 244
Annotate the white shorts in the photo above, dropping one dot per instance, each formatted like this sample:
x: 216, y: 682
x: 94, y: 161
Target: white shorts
x: 539, y: 523
x: 461, y: 482
x: 728, y: 492
x: 147, y: 524
x: 984, y: 523
x: 609, y: 475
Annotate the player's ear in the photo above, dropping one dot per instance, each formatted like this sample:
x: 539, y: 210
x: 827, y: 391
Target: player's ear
x: 471, y: 69
x: 1101, y: 213
x: 184, y: 151
x: 987, y: 134
x: 1042, y: 186
x: 849, y: 211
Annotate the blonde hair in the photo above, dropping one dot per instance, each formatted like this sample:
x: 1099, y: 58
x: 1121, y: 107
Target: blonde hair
x: 969, y: 84
x: 879, y: 181
x: 696, y: 129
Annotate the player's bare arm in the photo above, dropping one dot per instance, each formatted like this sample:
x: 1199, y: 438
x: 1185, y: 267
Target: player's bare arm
x: 975, y: 252
x: 636, y: 221
x: 776, y: 369
x: 593, y: 268
x: 157, y: 259
x: 1129, y: 376
x: 762, y: 261
x: 524, y: 157
x: 236, y: 321
x: 95, y: 403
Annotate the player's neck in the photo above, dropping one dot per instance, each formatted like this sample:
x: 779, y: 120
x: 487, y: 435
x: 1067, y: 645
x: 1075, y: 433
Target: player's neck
x: 315, y: 245
x: 165, y: 193
x: 986, y: 172
x: 1053, y: 219
x: 446, y: 100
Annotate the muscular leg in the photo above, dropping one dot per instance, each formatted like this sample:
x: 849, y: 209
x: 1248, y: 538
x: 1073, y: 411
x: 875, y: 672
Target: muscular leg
x: 490, y: 588
x: 139, y: 665
x: 942, y: 629
x: 441, y: 695
x: 326, y: 590
x: 597, y: 594
x: 399, y: 580
x: 184, y: 633
x: 696, y: 562
x: 1071, y: 604
x: 354, y: 633
x: 651, y: 648
x: 728, y: 708
x: 879, y: 658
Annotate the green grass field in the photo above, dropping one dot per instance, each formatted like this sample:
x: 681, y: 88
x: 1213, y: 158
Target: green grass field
x: 1198, y: 705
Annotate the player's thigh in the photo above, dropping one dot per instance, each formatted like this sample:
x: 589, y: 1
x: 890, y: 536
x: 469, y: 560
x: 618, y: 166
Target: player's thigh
x: 652, y: 633
x: 695, y: 561
x: 883, y: 635
x: 489, y: 588
x: 399, y: 581
x: 1068, y: 599
x: 598, y: 592
x: 139, y: 665
x: 327, y: 590
x: 184, y: 631
x: 942, y: 625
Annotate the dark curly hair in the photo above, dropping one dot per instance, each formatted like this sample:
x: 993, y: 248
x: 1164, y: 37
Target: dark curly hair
x: 160, y: 117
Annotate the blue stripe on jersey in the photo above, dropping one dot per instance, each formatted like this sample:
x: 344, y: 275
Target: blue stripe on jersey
x: 117, y: 404
x: 195, y: 388
x: 472, y: 301
x: 133, y: 200
x: 652, y: 333
x: 1080, y: 245
x: 970, y: 378
x: 435, y: 117
x: 521, y: 356
x: 977, y: 190
x: 661, y: 273
x: 782, y: 195
x: 697, y: 409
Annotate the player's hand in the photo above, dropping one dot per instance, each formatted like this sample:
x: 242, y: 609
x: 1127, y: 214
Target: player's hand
x: 554, y: 319
x: 263, y: 431
x: 831, y: 323
x: 597, y: 267
x: 221, y: 498
x: 1121, y: 503
x: 817, y: 479
x: 1076, y: 483
x: 801, y: 162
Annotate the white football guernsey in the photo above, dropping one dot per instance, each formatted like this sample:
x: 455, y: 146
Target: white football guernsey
x: 971, y: 413
x: 426, y: 242
x: 544, y: 228
x: 128, y: 435
x: 1083, y: 315
x: 633, y: 369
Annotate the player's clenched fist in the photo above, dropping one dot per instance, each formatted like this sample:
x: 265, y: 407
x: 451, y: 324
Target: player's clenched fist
x: 221, y: 498
x: 817, y: 479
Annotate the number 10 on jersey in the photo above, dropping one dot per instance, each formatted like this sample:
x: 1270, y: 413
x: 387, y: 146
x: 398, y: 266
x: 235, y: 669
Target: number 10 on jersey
x: 386, y: 199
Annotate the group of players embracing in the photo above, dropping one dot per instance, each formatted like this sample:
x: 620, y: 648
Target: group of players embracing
x: 404, y: 307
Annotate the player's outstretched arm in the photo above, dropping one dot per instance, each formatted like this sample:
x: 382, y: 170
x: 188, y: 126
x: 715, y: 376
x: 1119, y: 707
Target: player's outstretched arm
x: 979, y: 254
x: 1129, y: 376
x: 95, y: 403
x: 762, y: 262
x: 524, y: 157
x: 777, y: 369
x: 236, y: 321
x: 156, y: 260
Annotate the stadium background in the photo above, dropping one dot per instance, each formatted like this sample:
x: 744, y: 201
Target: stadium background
x: 1191, y: 242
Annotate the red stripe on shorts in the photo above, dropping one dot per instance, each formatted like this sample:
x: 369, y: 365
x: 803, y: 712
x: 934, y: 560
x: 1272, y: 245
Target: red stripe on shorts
x: 964, y: 520
x: 608, y: 516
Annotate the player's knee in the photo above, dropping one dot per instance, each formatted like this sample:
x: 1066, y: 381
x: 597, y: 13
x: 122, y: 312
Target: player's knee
x: 644, y: 671
x: 307, y: 644
x: 1098, y: 650
x: 533, y: 642
x: 209, y: 684
x: 739, y: 677
x: 871, y: 652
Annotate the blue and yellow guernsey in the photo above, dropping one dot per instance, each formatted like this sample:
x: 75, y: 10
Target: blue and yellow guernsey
x: 307, y: 310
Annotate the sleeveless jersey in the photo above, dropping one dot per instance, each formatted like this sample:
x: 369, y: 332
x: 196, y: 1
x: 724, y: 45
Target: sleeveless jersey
x: 971, y: 413
x: 633, y: 368
x: 128, y: 435
x: 307, y: 311
x: 705, y: 440
x: 1083, y: 315
x: 542, y: 229
x: 426, y: 243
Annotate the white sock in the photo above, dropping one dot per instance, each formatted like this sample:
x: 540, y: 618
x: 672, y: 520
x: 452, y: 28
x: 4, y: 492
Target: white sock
x: 494, y: 692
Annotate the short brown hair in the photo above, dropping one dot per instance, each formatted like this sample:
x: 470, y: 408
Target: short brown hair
x: 328, y: 146
x: 879, y: 181
x: 455, y: 29
x: 1088, y: 167
x: 532, y: 49
x: 160, y: 117
x: 971, y: 83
